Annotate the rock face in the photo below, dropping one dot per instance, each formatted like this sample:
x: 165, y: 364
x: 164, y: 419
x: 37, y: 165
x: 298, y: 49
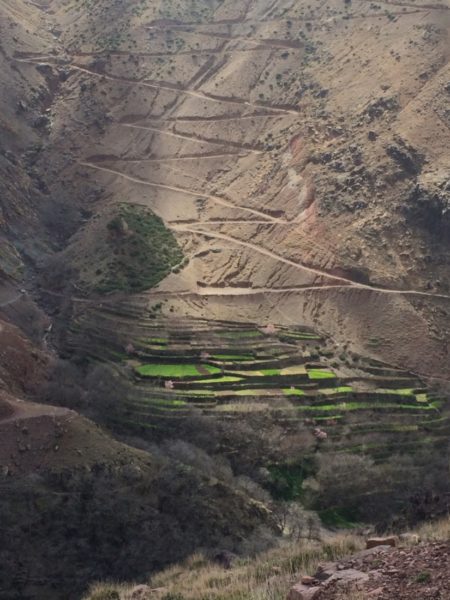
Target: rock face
x: 332, y: 574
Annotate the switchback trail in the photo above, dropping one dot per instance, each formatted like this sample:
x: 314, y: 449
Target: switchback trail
x: 215, y: 199
x: 193, y: 138
x: 11, y: 300
x: 312, y: 270
x: 244, y: 291
x: 112, y: 158
x: 174, y: 89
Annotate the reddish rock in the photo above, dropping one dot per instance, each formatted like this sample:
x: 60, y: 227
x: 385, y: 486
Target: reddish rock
x: 303, y: 592
x: 307, y: 580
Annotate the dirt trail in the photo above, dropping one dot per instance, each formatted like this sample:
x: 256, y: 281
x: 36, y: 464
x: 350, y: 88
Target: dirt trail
x: 180, y: 90
x: 228, y: 222
x: 247, y: 291
x: 261, y: 44
x: 30, y: 410
x: 215, y: 199
x: 193, y: 138
x: 11, y: 300
x: 186, y: 27
x: 173, y: 88
x: 215, y: 119
x: 274, y: 112
x: 110, y: 158
x: 312, y: 270
x: 417, y: 6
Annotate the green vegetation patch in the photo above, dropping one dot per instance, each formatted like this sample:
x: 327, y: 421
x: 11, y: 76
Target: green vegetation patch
x: 224, y: 379
x: 293, y: 392
x: 196, y: 393
x: 287, y: 479
x: 270, y: 372
x: 175, y: 371
x: 350, y: 406
x: 320, y: 374
x: 250, y: 392
x: 167, y: 403
x: 339, y: 518
x: 397, y: 392
x: 138, y: 251
x: 422, y: 397
x: 343, y: 389
x: 301, y: 335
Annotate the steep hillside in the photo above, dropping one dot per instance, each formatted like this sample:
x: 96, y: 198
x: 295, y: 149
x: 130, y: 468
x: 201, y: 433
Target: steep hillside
x: 70, y: 492
x: 224, y: 238
x: 291, y: 182
x: 78, y: 506
x: 298, y: 154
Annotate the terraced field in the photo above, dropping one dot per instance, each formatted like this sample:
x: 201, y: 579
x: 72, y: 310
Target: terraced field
x: 290, y: 377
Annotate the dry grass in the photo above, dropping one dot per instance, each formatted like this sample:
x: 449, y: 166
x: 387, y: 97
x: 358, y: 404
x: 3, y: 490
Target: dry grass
x: 435, y: 531
x: 267, y: 577
x: 107, y: 591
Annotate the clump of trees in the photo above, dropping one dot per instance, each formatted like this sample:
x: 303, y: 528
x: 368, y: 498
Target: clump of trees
x: 395, y: 493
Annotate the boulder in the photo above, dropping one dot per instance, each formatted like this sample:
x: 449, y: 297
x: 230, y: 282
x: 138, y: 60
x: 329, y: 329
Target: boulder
x: 303, y: 592
x: 381, y: 541
x: 325, y: 571
x: 308, y: 580
x: 347, y: 576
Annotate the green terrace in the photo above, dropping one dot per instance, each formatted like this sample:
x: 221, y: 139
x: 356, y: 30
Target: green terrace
x: 177, y: 371
x: 291, y: 376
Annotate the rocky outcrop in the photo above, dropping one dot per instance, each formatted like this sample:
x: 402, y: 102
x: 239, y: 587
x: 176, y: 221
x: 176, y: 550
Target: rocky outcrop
x: 383, y: 573
x: 428, y: 205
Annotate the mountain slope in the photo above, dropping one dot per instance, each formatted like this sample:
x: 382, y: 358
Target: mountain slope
x: 224, y: 237
x: 285, y: 146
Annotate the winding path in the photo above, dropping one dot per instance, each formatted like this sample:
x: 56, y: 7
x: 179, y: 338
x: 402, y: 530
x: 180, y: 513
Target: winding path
x: 172, y: 88
x: 192, y: 138
x: 259, y: 217
x: 298, y: 265
x: 11, y: 300
x: 215, y: 199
